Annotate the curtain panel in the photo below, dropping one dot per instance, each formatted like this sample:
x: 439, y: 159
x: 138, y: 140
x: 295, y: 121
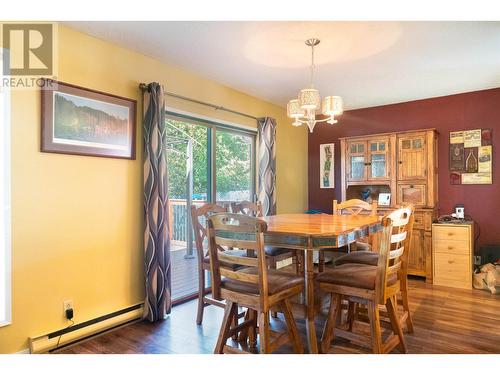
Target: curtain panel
x: 158, y: 272
x: 267, y: 164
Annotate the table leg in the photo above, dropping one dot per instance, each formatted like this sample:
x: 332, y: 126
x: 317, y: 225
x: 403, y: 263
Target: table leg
x: 309, y: 291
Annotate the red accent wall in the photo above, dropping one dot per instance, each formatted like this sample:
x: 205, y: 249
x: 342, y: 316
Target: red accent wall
x: 473, y: 110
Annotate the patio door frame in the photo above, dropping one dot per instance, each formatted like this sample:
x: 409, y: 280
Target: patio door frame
x: 212, y: 126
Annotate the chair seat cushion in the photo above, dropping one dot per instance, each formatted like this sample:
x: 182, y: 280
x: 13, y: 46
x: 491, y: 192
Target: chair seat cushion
x: 277, y: 282
x: 354, y: 275
x: 343, y: 249
x: 275, y: 251
x: 239, y: 253
x: 360, y: 257
x: 363, y: 246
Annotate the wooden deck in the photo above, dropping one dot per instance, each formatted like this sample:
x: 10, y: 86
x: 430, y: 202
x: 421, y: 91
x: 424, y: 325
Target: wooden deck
x: 184, y: 274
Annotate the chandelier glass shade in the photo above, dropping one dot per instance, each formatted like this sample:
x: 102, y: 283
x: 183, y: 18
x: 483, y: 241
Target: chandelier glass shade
x: 303, y: 109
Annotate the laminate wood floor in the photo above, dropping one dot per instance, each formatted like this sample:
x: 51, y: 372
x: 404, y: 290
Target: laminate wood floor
x: 446, y: 320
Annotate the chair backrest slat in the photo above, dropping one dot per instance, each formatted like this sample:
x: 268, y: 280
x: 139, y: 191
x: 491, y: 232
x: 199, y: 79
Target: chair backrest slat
x: 199, y: 229
x: 394, y: 246
x: 398, y: 237
x: 354, y: 207
x: 239, y: 260
x: 240, y: 276
x: 242, y: 232
x: 247, y: 208
x: 397, y: 252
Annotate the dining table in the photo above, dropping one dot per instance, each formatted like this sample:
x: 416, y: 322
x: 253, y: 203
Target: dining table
x: 316, y: 232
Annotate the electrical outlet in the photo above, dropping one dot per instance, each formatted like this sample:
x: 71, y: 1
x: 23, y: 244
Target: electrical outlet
x: 67, y: 305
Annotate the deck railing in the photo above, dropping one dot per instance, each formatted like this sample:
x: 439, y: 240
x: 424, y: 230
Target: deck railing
x: 178, y: 211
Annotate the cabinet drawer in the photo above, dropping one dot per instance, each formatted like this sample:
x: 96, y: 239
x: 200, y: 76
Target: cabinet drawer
x: 452, y: 267
x: 452, y: 247
x: 412, y: 193
x: 449, y: 232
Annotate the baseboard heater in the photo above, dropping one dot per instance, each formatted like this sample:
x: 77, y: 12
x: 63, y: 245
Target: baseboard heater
x: 48, y: 342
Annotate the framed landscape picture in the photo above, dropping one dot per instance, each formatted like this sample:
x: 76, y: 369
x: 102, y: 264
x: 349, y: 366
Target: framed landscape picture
x: 326, y: 164
x: 80, y: 121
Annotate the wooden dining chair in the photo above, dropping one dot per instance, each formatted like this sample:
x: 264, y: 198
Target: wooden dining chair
x: 200, y: 234
x: 371, y: 258
x: 370, y: 286
x: 255, y: 287
x: 356, y: 207
x: 274, y: 254
x: 349, y: 207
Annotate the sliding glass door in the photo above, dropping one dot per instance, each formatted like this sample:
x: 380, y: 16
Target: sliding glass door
x: 234, y: 167
x: 207, y: 162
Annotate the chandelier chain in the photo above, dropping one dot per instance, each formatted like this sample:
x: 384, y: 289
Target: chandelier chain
x: 312, y: 66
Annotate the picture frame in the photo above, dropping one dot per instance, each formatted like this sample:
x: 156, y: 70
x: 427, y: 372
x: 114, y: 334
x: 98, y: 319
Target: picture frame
x: 326, y: 166
x: 81, y: 121
x: 384, y: 199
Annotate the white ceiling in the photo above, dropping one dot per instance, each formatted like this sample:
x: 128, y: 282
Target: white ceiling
x: 367, y: 63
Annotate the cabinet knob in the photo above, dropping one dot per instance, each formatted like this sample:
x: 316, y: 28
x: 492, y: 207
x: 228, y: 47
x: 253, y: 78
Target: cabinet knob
x: 400, y: 162
x: 451, y: 261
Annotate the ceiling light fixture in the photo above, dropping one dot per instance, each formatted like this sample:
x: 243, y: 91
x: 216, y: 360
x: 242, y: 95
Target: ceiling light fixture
x: 303, y: 109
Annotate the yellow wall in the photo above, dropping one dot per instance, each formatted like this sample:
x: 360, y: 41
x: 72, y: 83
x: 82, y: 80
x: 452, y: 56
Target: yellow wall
x: 77, y: 221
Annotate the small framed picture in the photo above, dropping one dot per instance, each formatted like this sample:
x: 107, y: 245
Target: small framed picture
x: 326, y: 165
x: 81, y: 121
x: 384, y: 199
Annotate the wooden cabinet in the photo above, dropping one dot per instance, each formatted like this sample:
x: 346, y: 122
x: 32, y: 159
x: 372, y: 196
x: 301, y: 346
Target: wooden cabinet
x: 452, y: 252
x: 378, y: 156
x: 416, y: 258
x: 412, y: 193
x: 356, y: 166
x: 368, y: 160
x: 405, y: 165
x: 412, y: 156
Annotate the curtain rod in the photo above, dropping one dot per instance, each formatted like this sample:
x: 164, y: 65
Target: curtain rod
x: 144, y: 87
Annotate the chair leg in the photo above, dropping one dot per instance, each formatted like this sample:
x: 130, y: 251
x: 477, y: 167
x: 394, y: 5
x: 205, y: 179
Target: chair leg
x: 321, y: 261
x: 243, y: 336
x: 273, y: 265
x: 298, y: 262
x: 292, y: 327
x: 265, y: 344
x: 406, y: 305
x: 201, y: 294
x: 350, y: 314
x: 374, y: 316
x: 230, y: 310
x: 252, y: 330
x: 235, y: 324
x: 396, y: 327
x: 333, y: 314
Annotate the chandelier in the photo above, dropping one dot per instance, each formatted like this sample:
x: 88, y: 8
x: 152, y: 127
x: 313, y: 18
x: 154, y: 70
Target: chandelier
x: 303, y: 109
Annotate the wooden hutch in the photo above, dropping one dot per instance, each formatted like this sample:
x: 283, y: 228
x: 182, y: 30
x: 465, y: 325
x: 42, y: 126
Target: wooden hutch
x: 403, y: 164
